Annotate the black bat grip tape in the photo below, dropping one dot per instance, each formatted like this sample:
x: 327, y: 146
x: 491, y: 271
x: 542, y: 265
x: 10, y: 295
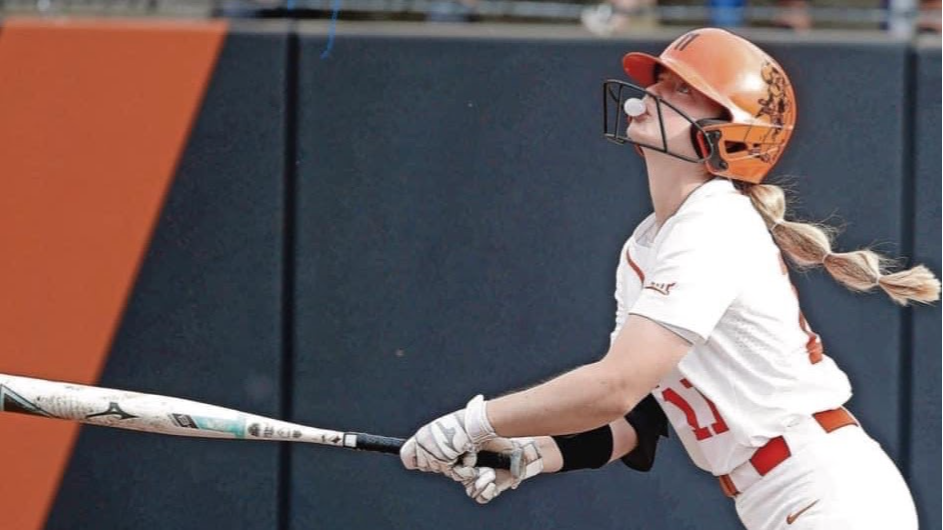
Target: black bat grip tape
x: 390, y: 445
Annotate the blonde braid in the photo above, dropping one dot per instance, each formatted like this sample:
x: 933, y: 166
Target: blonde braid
x: 810, y: 245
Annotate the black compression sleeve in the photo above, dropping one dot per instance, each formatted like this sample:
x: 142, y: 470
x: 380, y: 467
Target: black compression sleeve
x: 649, y: 422
x: 590, y: 449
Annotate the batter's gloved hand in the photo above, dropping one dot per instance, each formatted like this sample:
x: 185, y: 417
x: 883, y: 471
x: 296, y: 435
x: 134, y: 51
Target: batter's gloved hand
x: 484, y: 484
x: 439, y: 444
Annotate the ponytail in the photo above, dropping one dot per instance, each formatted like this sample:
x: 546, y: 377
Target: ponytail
x: 809, y: 245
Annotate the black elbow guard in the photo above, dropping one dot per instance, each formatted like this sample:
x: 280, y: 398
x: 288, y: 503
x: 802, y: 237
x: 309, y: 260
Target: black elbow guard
x: 649, y: 422
x: 586, y: 450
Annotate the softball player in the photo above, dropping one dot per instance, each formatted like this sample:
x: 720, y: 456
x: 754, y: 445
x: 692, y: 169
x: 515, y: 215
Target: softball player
x: 708, y: 331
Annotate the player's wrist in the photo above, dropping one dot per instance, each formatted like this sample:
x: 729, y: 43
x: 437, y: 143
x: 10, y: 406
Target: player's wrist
x: 477, y: 425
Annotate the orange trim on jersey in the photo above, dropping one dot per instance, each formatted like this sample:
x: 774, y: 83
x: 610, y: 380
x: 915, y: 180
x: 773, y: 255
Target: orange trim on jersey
x: 95, y: 116
x: 814, y: 345
x: 635, y: 267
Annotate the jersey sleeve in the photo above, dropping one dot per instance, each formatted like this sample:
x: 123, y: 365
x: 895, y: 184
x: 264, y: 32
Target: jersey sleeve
x: 698, y: 271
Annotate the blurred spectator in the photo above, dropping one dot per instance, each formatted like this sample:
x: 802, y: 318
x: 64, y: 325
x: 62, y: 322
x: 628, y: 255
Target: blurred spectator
x: 614, y: 16
x: 929, y: 21
x: 794, y: 15
x: 456, y: 11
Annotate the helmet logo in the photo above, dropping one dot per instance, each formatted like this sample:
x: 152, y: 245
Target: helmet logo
x: 684, y: 41
x: 775, y: 106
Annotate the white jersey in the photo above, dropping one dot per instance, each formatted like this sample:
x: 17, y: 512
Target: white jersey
x: 713, y: 275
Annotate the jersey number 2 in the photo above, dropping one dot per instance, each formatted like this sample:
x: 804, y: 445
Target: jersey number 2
x: 700, y: 433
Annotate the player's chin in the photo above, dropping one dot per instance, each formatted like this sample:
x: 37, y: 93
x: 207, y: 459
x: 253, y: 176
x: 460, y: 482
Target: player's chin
x: 644, y: 132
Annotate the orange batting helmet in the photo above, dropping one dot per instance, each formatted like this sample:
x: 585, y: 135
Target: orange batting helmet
x: 749, y: 84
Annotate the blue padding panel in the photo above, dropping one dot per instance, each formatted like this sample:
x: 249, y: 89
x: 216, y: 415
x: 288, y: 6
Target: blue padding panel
x: 459, y: 221
x: 203, y: 321
x: 925, y: 424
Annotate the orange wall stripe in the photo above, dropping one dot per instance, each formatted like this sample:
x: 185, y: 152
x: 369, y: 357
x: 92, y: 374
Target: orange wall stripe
x: 94, y: 116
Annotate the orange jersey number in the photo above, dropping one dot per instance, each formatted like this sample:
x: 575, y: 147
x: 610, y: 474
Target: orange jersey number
x: 719, y: 426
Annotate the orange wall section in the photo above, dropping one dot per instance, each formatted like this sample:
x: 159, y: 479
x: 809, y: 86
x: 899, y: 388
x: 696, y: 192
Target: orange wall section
x: 94, y: 116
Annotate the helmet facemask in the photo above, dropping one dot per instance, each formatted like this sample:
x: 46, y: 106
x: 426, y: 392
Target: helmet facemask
x: 616, y: 123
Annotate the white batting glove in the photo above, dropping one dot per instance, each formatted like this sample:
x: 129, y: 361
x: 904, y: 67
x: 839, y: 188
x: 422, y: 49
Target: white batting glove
x: 484, y: 484
x: 439, y: 444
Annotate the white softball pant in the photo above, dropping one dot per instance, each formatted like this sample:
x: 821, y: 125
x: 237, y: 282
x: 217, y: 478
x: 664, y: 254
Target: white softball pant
x: 832, y: 481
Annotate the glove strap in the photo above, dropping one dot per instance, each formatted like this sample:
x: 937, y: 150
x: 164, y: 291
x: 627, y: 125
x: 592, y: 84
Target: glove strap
x: 526, y: 460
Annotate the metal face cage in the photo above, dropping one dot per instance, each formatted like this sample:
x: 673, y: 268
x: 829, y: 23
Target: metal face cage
x: 616, y: 122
